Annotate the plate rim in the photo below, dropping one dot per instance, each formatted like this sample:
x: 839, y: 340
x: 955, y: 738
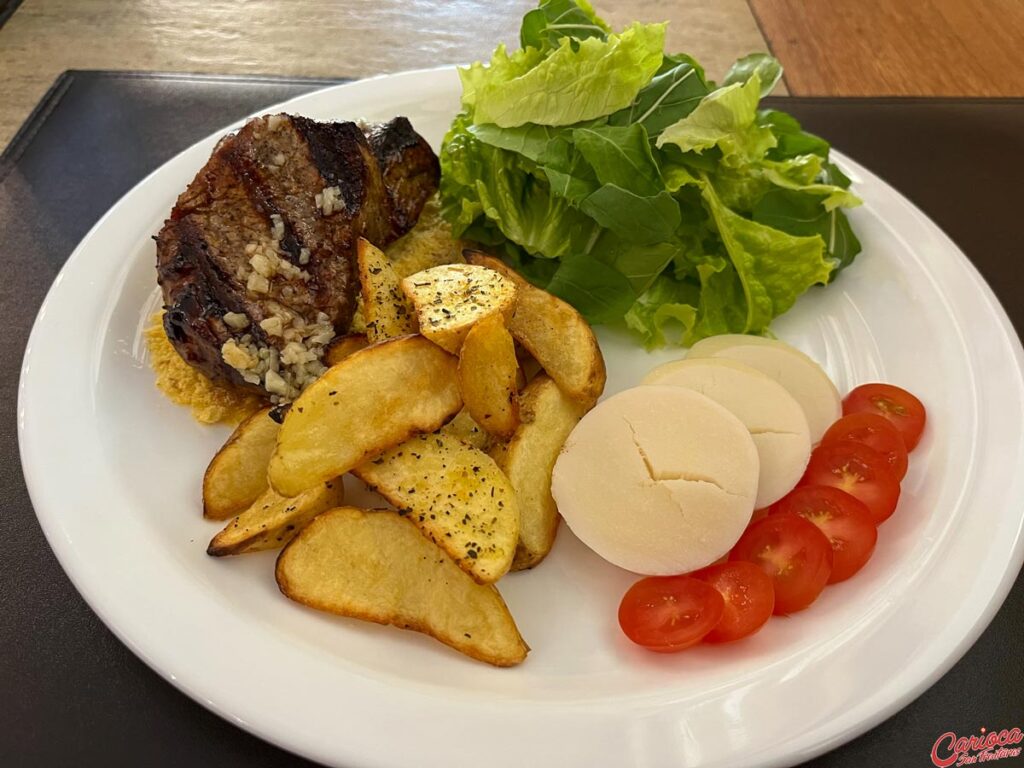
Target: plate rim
x: 91, y: 594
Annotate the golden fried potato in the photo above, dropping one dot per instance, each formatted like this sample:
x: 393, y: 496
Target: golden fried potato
x: 237, y: 475
x: 464, y: 428
x: 456, y: 495
x: 427, y: 244
x: 555, y: 334
x: 488, y: 372
x: 343, y: 346
x: 528, y: 366
x: 450, y: 298
x: 377, y: 567
x: 274, y: 520
x: 370, y: 401
x: 387, y: 312
x: 548, y: 416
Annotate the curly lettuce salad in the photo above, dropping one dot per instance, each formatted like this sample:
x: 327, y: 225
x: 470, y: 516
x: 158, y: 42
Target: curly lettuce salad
x: 620, y: 178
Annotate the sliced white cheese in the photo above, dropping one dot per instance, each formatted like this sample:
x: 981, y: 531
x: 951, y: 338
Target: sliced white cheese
x: 803, y: 378
x: 772, y: 415
x: 657, y: 480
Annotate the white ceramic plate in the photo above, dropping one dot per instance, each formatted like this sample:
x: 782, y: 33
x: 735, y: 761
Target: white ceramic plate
x: 114, y: 472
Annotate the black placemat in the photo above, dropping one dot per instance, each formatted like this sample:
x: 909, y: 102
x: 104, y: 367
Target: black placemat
x: 71, y: 694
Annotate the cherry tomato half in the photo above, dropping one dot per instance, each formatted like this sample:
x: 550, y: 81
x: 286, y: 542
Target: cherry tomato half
x: 875, y: 432
x: 757, y: 514
x: 900, y: 407
x: 858, y: 470
x: 749, y: 599
x: 794, y: 553
x: 845, y: 521
x: 669, y: 613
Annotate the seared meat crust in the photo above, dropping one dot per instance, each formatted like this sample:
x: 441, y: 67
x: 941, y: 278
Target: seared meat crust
x: 300, y: 193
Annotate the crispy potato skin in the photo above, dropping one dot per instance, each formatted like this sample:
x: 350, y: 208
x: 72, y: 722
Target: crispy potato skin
x: 372, y: 400
x: 451, y: 298
x: 456, y: 495
x: 554, y: 333
x: 548, y: 416
x: 237, y: 474
x: 274, y: 520
x: 376, y: 566
x: 343, y: 346
x: 488, y: 372
x: 387, y: 312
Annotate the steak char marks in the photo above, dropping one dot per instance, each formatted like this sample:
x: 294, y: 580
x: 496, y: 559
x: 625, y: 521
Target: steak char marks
x: 257, y: 261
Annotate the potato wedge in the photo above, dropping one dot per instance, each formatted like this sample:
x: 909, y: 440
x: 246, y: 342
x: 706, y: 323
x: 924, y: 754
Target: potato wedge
x: 237, y: 475
x: 548, y: 416
x: 377, y: 567
x: 343, y: 346
x: 463, y: 427
x: 456, y: 495
x: 274, y: 520
x: 370, y: 401
x: 387, y: 312
x: 488, y: 372
x: 528, y: 366
x: 450, y: 298
x: 555, y: 334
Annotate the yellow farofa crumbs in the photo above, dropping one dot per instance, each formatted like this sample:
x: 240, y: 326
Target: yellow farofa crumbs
x: 428, y: 244
x: 211, y: 403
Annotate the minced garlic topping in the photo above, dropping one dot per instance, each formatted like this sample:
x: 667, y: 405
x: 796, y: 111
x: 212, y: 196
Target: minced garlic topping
x: 283, y: 373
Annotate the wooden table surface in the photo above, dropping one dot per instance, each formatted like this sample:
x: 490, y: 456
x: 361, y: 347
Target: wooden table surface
x: 329, y: 38
x: 845, y: 47
x: 897, y: 47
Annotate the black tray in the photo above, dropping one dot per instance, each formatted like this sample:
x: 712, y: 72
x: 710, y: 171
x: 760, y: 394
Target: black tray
x: 72, y: 694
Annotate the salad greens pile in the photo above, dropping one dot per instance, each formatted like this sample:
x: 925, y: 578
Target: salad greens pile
x: 625, y: 181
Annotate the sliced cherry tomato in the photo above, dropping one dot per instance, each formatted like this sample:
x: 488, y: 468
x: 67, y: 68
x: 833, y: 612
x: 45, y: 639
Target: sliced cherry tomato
x: 858, y: 470
x: 757, y: 514
x: 749, y: 599
x: 900, y: 407
x: 843, y: 519
x: 794, y: 553
x: 875, y: 432
x: 669, y: 613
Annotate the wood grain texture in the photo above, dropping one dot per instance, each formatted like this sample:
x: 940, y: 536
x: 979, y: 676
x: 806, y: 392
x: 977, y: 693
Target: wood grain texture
x: 353, y: 38
x: 897, y: 47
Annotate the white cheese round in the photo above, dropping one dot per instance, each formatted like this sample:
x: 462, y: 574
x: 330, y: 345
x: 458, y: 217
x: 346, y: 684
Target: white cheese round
x: 774, y: 418
x: 803, y: 378
x: 657, y: 480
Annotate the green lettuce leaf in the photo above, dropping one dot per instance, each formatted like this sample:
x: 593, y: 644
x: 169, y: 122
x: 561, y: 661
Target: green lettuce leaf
x: 800, y: 214
x: 502, y: 68
x: 643, y: 220
x: 668, y: 304
x: 579, y: 80
x: 791, y: 139
x: 482, y: 181
x: 530, y: 141
x: 640, y: 264
x: 766, y: 67
x: 773, y: 266
x: 624, y: 181
x: 545, y: 26
x: 600, y: 292
x: 620, y: 155
x: 726, y: 119
x: 723, y: 302
x: 668, y: 98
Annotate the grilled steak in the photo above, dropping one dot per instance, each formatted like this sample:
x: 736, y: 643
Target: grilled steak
x: 256, y: 262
